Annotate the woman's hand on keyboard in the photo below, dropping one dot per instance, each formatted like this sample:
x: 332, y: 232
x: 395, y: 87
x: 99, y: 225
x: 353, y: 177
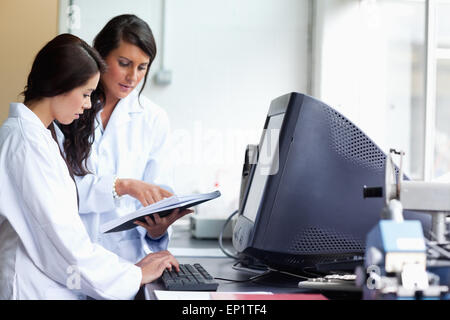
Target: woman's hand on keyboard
x: 154, y: 264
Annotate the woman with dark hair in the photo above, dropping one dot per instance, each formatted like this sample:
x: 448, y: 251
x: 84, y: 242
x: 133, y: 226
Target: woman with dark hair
x: 45, y: 251
x: 129, y: 164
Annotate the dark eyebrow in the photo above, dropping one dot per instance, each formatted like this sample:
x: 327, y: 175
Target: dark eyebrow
x: 124, y: 58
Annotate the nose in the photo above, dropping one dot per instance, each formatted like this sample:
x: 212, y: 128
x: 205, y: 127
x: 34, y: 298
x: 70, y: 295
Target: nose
x: 87, y: 104
x: 132, y: 75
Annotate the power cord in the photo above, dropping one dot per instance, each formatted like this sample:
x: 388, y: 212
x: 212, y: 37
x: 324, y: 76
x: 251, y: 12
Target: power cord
x: 227, y: 253
x: 265, y: 274
x: 256, y: 269
x: 289, y: 274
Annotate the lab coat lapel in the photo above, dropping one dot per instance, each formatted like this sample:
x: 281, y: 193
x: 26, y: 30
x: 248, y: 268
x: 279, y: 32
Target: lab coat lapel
x: 121, y: 116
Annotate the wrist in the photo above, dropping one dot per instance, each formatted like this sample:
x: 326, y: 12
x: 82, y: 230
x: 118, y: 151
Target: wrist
x: 156, y: 237
x: 121, y: 186
x: 142, y: 274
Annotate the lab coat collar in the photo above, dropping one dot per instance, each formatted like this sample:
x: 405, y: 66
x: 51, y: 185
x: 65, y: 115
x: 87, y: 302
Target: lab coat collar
x: 133, y: 100
x: 125, y: 107
x: 19, y: 110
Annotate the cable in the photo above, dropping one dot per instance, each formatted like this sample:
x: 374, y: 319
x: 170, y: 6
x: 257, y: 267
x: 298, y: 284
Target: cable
x: 313, y: 274
x: 265, y: 274
x: 249, y: 279
x: 257, y: 270
x: 288, y: 273
x: 227, y: 253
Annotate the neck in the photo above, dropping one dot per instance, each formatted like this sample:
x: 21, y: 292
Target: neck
x: 108, y: 108
x: 110, y: 102
x: 42, y: 110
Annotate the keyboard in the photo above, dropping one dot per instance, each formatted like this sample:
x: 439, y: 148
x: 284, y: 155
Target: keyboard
x: 190, y: 278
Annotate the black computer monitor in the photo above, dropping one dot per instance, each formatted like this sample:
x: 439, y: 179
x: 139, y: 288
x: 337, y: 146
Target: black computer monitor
x: 303, y: 205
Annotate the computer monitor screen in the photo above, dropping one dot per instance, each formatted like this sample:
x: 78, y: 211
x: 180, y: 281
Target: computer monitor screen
x: 303, y: 205
x: 266, y: 165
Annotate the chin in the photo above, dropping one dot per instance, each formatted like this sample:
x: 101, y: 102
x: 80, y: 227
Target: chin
x: 66, y: 121
x: 121, y: 95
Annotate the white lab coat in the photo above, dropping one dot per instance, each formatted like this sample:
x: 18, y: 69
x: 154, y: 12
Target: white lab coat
x: 135, y: 145
x: 45, y: 251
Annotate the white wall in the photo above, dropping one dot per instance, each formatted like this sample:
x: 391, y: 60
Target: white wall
x: 350, y: 59
x: 365, y: 62
x: 228, y: 60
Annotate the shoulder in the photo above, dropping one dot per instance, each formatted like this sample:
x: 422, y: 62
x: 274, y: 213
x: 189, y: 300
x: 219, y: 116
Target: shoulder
x: 10, y: 134
x: 26, y: 136
x: 21, y: 140
x: 20, y: 133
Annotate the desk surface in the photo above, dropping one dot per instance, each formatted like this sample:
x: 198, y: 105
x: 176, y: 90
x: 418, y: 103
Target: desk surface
x: 222, y: 267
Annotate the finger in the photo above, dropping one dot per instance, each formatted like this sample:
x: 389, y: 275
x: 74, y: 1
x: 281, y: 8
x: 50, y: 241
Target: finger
x: 149, y: 221
x: 157, y: 218
x: 166, y: 266
x: 173, y: 216
x: 149, y: 198
x: 182, y: 214
x: 140, y: 223
x: 157, y: 196
x: 143, y: 201
x: 173, y: 213
x: 174, y: 262
x: 179, y: 216
x: 186, y: 211
x: 165, y: 193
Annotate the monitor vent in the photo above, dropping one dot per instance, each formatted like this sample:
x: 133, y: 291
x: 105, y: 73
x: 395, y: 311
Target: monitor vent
x: 318, y: 240
x: 351, y: 143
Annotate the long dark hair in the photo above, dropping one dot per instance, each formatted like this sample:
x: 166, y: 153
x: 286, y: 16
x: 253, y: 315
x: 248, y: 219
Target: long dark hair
x: 63, y: 64
x: 128, y: 28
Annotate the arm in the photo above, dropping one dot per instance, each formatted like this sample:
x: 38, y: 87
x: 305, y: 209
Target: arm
x: 54, y: 236
x: 95, y: 192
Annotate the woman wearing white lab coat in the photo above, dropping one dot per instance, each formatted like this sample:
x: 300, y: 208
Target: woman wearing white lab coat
x: 130, y: 155
x: 45, y: 251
